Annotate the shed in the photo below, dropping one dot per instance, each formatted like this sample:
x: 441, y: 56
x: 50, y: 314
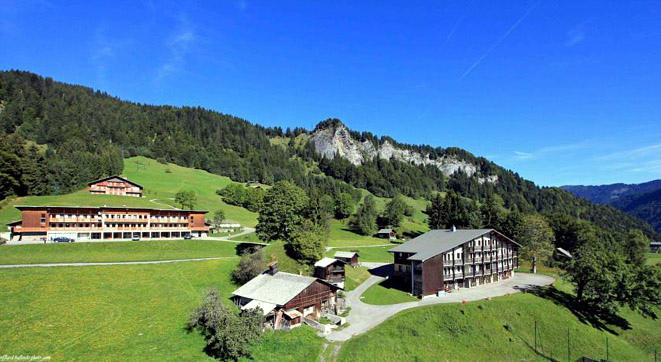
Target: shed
x: 386, y: 234
x: 349, y: 257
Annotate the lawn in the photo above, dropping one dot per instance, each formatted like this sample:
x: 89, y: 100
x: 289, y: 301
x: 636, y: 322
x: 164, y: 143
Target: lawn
x: 134, y: 312
x: 250, y: 237
x: 342, y: 236
x: 504, y: 327
x: 376, y: 254
x: 387, y: 292
x: 160, y: 189
x: 355, y: 277
x: 298, y: 345
x: 114, y: 251
x: 654, y: 258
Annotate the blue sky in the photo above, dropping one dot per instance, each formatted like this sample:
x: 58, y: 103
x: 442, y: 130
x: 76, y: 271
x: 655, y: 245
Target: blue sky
x: 562, y: 92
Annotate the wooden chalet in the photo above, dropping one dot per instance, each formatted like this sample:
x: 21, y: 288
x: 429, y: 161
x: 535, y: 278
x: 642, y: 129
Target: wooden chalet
x: 330, y: 270
x: 442, y: 260
x: 349, y: 257
x: 115, y: 185
x: 386, y: 234
x: 287, y: 299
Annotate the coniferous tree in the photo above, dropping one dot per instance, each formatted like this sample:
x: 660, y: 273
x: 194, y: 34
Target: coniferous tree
x: 364, y: 221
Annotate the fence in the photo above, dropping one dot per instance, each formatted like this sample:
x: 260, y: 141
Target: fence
x: 553, y: 350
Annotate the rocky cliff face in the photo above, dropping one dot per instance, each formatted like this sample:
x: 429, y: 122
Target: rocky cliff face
x: 337, y: 140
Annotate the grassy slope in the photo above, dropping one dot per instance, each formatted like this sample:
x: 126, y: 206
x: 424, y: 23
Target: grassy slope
x: 378, y: 254
x: 122, y: 313
x: 355, y: 277
x: 159, y: 186
x: 118, y: 312
x: 114, y: 251
x: 476, y: 331
x: 653, y: 258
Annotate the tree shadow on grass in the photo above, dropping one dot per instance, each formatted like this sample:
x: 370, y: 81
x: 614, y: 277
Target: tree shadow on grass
x: 596, y: 317
x: 396, y: 284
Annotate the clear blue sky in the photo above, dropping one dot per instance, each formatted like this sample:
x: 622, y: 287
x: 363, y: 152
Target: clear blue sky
x: 562, y: 92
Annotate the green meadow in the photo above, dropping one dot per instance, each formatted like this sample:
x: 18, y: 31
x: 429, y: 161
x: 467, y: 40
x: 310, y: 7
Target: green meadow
x: 115, y: 251
x: 503, y: 329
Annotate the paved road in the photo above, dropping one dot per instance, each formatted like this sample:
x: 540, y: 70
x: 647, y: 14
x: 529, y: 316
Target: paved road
x: 363, y: 316
x: 246, y: 230
x: 53, y: 265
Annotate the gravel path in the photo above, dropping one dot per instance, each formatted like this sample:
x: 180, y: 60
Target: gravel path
x: 363, y: 316
x: 52, y: 265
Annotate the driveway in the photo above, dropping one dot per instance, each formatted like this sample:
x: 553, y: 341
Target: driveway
x: 364, y: 317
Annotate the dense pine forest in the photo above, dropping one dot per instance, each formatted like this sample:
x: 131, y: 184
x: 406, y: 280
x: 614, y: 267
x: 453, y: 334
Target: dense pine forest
x: 55, y: 137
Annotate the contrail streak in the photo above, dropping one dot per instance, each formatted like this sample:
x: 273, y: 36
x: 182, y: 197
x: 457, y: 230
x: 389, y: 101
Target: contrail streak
x: 494, y: 45
x: 456, y: 25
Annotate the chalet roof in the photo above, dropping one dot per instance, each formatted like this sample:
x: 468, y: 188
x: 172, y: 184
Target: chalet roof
x: 435, y: 242
x: 655, y: 243
x: 384, y: 231
x: 126, y: 208
x: 345, y: 254
x: 326, y: 262
x: 275, y: 289
x: 113, y: 178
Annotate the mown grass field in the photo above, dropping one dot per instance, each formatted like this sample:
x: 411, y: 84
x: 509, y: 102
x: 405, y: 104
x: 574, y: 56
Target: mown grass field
x: 654, y: 258
x: 115, y: 251
x: 376, y: 254
x: 128, y: 312
x: 503, y: 329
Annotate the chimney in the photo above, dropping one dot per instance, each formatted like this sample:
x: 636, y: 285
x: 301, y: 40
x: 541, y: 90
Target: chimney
x: 272, y: 268
x: 453, y: 229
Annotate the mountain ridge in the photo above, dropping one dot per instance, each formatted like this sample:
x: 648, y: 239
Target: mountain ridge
x: 80, y: 129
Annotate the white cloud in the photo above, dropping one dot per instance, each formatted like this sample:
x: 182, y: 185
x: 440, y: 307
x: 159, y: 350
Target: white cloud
x: 179, y: 46
x: 575, y: 35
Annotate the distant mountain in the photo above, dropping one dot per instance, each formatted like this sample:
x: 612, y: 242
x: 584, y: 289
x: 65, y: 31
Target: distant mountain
x: 641, y: 200
x: 610, y: 194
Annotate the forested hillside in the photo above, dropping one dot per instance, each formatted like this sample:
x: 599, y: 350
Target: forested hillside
x: 641, y: 200
x: 645, y: 206
x: 56, y: 137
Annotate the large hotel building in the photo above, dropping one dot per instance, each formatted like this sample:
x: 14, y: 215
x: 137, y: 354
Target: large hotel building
x: 45, y: 223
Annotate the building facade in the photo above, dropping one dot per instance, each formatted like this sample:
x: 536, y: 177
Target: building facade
x: 45, y: 223
x: 442, y: 260
x: 115, y: 185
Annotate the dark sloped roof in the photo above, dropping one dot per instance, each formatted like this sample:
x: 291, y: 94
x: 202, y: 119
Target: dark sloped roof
x: 115, y: 177
x: 435, y: 242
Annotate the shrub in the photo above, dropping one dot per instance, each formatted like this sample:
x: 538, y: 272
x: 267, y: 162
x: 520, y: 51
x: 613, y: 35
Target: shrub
x: 250, y: 266
x: 228, y: 335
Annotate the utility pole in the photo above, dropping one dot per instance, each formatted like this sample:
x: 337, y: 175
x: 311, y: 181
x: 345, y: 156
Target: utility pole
x: 535, y: 336
x: 568, y: 349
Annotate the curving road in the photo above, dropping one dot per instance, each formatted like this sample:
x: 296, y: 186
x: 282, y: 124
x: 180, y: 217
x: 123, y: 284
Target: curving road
x: 364, y: 317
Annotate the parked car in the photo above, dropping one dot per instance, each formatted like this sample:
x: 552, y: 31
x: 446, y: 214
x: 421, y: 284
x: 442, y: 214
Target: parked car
x: 136, y: 237
x: 188, y: 237
x: 63, y: 239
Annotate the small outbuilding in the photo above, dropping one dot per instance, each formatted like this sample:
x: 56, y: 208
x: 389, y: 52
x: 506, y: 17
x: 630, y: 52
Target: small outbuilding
x: 349, y: 257
x: 655, y: 247
x: 386, y: 234
x: 330, y: 270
